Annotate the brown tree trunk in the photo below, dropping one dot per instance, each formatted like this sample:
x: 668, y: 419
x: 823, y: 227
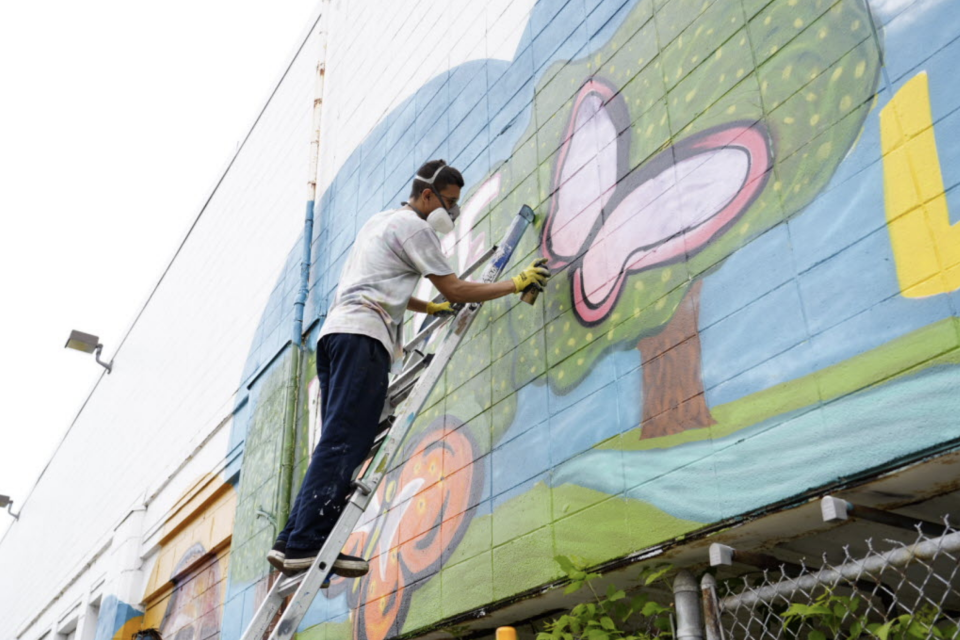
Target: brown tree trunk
x: 673, y: 399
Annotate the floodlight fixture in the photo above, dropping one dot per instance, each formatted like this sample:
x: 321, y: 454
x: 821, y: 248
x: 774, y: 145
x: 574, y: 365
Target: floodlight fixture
x: 88, y: 343
x: 5, y: 501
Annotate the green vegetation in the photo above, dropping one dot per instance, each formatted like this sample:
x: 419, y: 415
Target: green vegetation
x: 612, y: 616
x: 833, y: 617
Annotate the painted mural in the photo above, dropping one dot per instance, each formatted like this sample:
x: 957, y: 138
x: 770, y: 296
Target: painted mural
x: 185, y: 591
x: 755, y: 287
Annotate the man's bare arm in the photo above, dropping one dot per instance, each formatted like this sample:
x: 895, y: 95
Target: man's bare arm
x: 417, y: 305
x: 456, y: 290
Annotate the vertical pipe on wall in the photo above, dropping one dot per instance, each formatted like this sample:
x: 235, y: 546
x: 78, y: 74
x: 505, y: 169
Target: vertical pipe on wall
x: 312, y: 184
x: 711, y: 608
x: 686, y: 596
x: 297, y: 376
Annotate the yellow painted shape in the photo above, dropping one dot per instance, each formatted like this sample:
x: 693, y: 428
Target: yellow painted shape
x: 206, y: 516
x: 926, y: 247
x: 128, y: 628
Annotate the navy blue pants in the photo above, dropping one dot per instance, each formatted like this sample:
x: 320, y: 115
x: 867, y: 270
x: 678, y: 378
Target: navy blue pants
x: 353, y: 371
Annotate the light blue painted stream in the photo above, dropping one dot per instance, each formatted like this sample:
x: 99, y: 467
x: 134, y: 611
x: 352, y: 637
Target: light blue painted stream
x: 711, y: 480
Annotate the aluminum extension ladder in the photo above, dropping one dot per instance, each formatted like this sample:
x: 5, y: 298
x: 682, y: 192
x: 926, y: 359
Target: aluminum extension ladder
x: 407, y: 393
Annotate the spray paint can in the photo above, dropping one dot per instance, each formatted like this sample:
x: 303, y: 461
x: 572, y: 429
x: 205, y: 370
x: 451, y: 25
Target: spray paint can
x: 530, y: 294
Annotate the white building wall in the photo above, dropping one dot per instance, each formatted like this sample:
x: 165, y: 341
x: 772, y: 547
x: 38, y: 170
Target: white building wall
x: 176, y: 375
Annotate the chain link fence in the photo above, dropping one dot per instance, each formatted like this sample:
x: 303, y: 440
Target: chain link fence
x: 892, y: 591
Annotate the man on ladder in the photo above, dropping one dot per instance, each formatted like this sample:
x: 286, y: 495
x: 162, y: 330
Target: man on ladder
x: 359, y: 340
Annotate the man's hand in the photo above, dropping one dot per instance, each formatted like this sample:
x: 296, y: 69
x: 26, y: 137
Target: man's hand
x: 441, y: 309
x: 535, y: 274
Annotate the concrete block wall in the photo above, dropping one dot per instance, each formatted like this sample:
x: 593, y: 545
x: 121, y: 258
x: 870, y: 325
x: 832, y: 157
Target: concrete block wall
x: 755, y: 295
x: 178, y: 378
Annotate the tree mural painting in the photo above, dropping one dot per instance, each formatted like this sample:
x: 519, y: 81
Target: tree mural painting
x: 659, y: 175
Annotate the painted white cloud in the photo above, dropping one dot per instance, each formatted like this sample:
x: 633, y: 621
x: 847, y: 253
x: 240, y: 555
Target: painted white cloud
x: 889, y: 11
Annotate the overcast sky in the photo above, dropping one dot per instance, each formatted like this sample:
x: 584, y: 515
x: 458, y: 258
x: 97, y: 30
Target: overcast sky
x: 116, y: 119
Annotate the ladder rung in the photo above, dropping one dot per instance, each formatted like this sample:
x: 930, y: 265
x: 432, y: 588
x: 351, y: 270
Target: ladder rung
x: 408, y: 378
x: 289, y: 584
x: 380, y: 437
x: 432, y: 326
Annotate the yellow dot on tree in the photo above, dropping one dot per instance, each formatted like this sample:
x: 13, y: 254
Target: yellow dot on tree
x: 836, y: 74
x: 767, y: 20
x: 811, y: 96
x: 854, y: 25
x: 845, y: 103
x: 798, y: 23
x: 814, y: 119
x: 860, y: 69
x: 690, y: 95
x: 787, y: 70
x: 823, y: 33
x: 788, y: 120
x: 824, y: 151
x: 718, y: 53
x: 732, y: 108
x: 571, y: 342
x: 589, y: 337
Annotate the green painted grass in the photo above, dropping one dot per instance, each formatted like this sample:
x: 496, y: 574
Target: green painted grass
x: 543, y: 523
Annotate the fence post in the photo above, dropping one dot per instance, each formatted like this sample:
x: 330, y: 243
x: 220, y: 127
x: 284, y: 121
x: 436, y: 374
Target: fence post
x: 711, y: 608
x: 687, y: 601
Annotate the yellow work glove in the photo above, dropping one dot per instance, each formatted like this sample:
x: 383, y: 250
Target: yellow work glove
x: 535, y: 274
x: 440, y: 309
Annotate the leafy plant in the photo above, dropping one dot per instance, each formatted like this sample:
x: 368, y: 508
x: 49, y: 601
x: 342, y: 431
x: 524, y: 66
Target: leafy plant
x: 918, y: 626
x: 826, y: 616
x: 836, y: 617
x: 609, y: 617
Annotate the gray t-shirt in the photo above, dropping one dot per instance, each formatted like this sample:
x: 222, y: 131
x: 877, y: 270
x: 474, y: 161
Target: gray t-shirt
x: 390, y: 254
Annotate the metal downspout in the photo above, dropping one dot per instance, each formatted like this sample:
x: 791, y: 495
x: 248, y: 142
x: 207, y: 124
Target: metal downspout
x: 288, y: 446
x: 686, y: 595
